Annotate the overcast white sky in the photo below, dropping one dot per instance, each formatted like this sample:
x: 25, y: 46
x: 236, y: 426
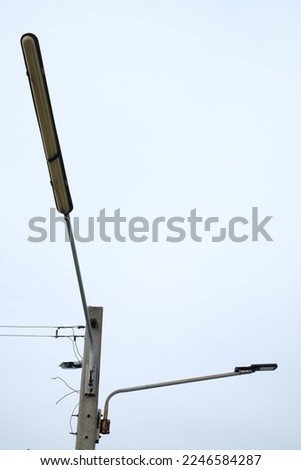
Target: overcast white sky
x: 161, y: 107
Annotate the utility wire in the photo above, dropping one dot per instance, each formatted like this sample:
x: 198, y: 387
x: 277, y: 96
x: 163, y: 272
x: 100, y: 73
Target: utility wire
x: 43, y: 326
x: 56, y: 328
x: 42, y: 336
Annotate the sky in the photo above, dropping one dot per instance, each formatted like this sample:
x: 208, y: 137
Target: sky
x: 162, y: 108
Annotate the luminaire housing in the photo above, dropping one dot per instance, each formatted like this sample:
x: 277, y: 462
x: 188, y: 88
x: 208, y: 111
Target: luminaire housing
x: 257, y: 367
x: 39, y: 90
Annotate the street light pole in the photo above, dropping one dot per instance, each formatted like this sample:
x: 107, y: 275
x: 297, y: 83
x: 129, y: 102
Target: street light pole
x: 58, y: 179
x: 243, y: 370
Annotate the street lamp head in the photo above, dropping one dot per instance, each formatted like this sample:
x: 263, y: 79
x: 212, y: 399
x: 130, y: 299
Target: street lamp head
x: 71, y: 365
x: 256, y: 368
x: 37, y: 79
x: 39, y: 90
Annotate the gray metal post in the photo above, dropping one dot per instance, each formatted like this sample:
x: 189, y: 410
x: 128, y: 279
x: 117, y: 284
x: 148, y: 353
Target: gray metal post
x: 88, y: 419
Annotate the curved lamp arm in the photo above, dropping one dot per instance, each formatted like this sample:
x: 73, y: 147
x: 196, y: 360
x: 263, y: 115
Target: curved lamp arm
x: 105, y: 422
x: 240, y: 370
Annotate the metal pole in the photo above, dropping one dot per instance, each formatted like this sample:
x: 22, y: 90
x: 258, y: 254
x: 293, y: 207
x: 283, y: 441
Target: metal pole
x: 88, y: 416
x: 83, y: 297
